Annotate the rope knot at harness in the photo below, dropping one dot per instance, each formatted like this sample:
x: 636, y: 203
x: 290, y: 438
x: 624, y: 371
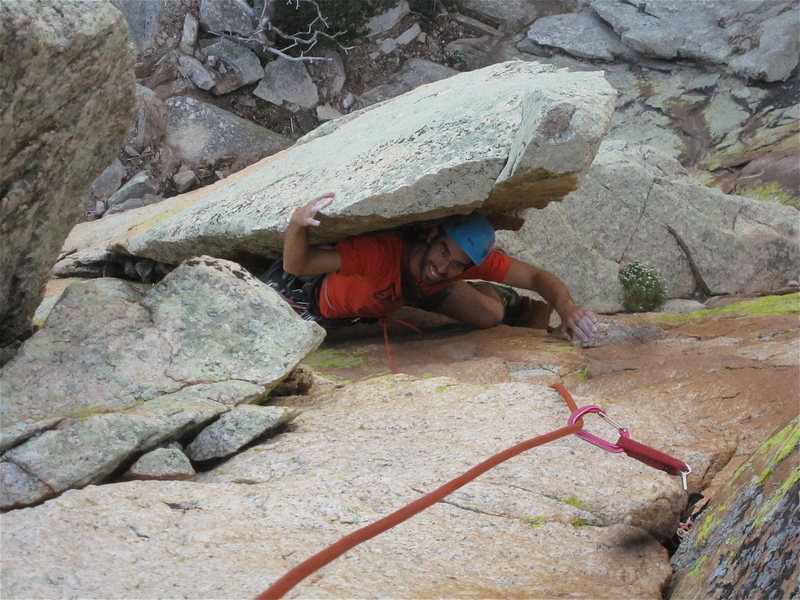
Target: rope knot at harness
x: 574, y: 425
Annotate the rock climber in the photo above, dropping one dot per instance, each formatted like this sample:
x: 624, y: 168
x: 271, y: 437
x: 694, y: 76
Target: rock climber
x: 369, y: 276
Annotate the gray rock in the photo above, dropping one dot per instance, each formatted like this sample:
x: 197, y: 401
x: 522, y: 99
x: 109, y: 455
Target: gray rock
x: 287, y: 81
x: 580, y: 34
x: 414, y: 73
x: 475, y: 24
x: 685, y: 112
x: 137, y: 187
x: 409, y: 35
x: 144, y: 269
x: 109, y: 181
x: 114, y: 288
x: 144, y: 371
x: 774, y: 56
x: 227, y: 16
x: 84, y: 451
x: 681, y: 305
x: 388, y: 19
x: 134, y: 202
x: 328, y: 74
x: 760, y: 43
x: 512, y: 15
x: 460, y: 149
x: 561, y: 506
x: 189, y: 34
x: 52, y: 150
x: 19, y: 488
x: 203, y: 135
x: 237, y: 428
x: 161, y: 463
x: 724, y: 115
x: 184, y: 180
x: 196, y: 72
x: 242, y: 65
x: 388, y: 46
x: 325, y: 112
x: 104, y: 186
x: 638, y: 204
x: 471, y: 53
x: 747, y: 537
x: 150, y: 122
x: 145, y: 18
x: 609, y: 333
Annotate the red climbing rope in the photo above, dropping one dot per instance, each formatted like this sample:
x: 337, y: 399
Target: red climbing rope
x: 319, y: 560
x: 385, y: 321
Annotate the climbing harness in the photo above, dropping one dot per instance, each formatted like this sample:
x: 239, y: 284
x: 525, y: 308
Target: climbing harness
x: 302, y: 293
x: 298, y: 291
x: 638, y: 451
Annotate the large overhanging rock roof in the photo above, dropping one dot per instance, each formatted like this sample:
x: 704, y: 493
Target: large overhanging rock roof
x: 510, y: 136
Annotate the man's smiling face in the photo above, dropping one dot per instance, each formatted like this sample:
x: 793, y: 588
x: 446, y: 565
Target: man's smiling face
x: 443, y: 259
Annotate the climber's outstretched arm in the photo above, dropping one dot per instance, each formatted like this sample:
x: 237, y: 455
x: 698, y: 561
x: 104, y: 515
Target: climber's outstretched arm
x: 298, y: 257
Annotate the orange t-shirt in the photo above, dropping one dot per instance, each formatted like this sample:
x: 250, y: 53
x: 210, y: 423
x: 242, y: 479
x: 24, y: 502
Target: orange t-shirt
x: 369, y: 282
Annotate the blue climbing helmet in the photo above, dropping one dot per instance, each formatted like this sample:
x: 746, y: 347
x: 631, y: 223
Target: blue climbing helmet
x: 473, y: 234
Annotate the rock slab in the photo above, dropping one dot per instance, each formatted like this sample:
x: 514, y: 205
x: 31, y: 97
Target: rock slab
x: 512, y: 135
x: 161, y: 463
x: 755, y: 39
x: 361, y: 454
x: 54, y: 143
x: 637, y: 204
x: 747, y: 539
x: 149, y: 367
x: 236, y: 428
x: 203, y: 134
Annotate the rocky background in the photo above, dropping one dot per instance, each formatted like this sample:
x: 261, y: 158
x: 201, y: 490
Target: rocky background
x: 170, y: 428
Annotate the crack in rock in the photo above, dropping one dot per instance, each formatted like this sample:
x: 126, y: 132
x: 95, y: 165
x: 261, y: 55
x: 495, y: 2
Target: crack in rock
x: 701, y: 288
x: 638, y: 221
x: 467, y: 508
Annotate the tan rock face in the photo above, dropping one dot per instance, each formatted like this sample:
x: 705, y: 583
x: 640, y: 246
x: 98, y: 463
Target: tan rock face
x: 361, y: 453
x: 552, y: 521
x: 69, y: 100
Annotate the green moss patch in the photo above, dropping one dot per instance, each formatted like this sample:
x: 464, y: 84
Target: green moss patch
x: 698, y: 571
x: 758, y: 307
x: 335, y: 359
x: 709, y: 523
x: 572, y: 501
x: 784, y: 442
x: 769, y: 192
x: 767, y: 508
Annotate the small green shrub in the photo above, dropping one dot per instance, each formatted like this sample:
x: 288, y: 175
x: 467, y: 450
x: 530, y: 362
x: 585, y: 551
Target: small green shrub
x: 429, y: 11
x: 643, y: 288
x: 455, y: 59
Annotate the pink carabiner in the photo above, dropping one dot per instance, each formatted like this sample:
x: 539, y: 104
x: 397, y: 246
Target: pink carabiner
x: 591, y: 438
